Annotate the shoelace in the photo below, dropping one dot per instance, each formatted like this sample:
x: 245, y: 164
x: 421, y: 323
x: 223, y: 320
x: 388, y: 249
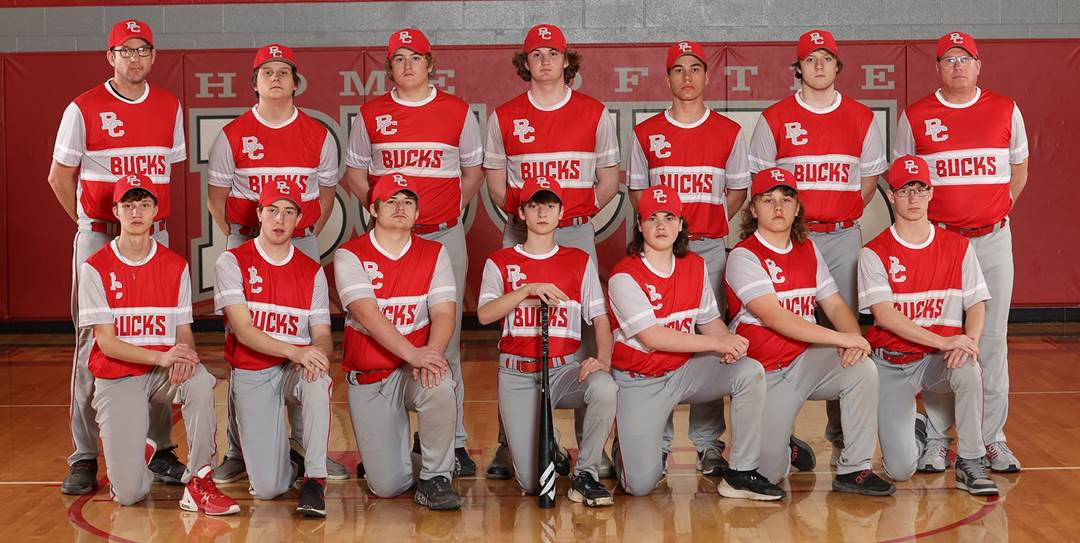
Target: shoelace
x: 442, y: 484
x: 975, y: 470
x: 998, y: 449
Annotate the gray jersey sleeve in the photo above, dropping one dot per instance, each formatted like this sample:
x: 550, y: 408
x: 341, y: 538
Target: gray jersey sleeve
x: 874, y: 285
x: 905, y: 141
x: 607, y: 141
x: 221, y: 168
x: 228, y: 283
x: 93, y: 301
x: 874, y: 160
x: 747, y: 279
x: 1018, y: 142
x: 178, y: 153
x: 592, y: 295
x: 826, y: 286
x: 762, y: 147
x: 353, y: 281
x: 491, y: 284
x: 494, y: 149
x: 972, y: 280
x: 631, y: 307
x: 443, y: 288
x: 737, y: 168
x: 319, y: 313
x: 70, y: 137
x: 183, y: 301
x: 638, y: 174
x: 359, y: 153
x: 471, y: 142
x: 708, y: 310
x: 327, y: 172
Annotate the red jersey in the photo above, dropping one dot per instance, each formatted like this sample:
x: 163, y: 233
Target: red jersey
x: 797, y: 275
x: 932, y: 284
x: 430, y: 141
x: 285, y: 299
x: 642, y: 297
x: 970, y: 149
x: 828, y: 149
x: 404, y: 286
x: 108, y: 136
x: 566, y: 142
x: 569, y: 269
x: 700, y: 160
x: 145, y: 302
x: 251, y: 152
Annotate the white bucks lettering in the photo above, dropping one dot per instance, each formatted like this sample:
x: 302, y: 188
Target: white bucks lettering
x: 115, y: 286
x: 111, y: 124
x: 776, y: 273
x: 515, y: 276
x: 385, y: 125
x: 655, y: 298
x: 938, y: 132
x: 523, y: 131
x: 374, y: 275
x: 659, y: 146
x: 251, y: 147
x: 795, y: 133
x: 896, y: 270
x: 254, y: 280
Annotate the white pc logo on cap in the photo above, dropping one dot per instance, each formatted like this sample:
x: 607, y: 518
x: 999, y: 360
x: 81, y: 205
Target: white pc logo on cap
x: 543, y: 183
x: 400, y: 181
x: 817, y: 38
x: 133, y: 26
x: 275, y: 51
x: 685, y: 47
x: 956, y: 38
x: 911, y: 167
x: 777, y: 175
x: 544, y: 32
x: 405, y: 36
x: 659, y: 196
x: 134, y: 181
x: 283, y: 187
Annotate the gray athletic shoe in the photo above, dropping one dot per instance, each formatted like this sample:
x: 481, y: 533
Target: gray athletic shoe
x: 935, y: 459
x: 81, y: 478
x: 711, y: 463
x: 230, y: 470
x: 335, y: 471
x: 1002, y: 460
x: 971, y: 476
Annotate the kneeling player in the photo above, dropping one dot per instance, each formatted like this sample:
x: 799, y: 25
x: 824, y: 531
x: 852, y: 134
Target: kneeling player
x: 136, y: 295
x: 672, y: 347
x: 926, y: 291
x: 277, y: 340
x: 400, y: 293
x: 775, y: 277
x: 516, y: 279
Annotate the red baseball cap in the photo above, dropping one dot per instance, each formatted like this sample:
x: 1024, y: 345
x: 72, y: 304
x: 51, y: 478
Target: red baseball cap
x: 274, y: 51
x: 409, y: 38
x: 659, y: 198
x: 534, y: 185
x: 128, y: 183
x: 389, y: 186
x: 909, y: 169
x: 957, y: 39
x: 817, y: 39
x: 685, y: 48
x: 277, y: 191
x: 545, y: 35
x: 130, y: 28
x: 770, y: 178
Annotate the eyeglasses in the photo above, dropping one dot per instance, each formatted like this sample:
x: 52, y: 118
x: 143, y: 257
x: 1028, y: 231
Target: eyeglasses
x: 913, y: 192
x: 953, y: 61
x: 127, y: 52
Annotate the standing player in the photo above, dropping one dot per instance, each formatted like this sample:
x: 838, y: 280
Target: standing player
x: 143, y: 352
x: 124, y: 126
x: 553, y: 133
x: 702, y: 155
x: 277, y: 316
x: 926, y: 292
x: 834, y: 149
x: 672, y: 347
x: 272, y: 142
x: 977, y: 149
x: 516, y: 279
x: 432, y: 137
x: 775, y: 277
x: 399, y: 291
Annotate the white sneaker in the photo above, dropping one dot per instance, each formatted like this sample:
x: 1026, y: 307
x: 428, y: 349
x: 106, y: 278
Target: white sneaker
x: 1002, y: 460
x: 935, y: 458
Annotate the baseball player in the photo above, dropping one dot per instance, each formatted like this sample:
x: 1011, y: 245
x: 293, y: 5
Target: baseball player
x: 277, y: 316
x: 554, y: 133
x: 702, y: 155
x: 516, y: 279
x: 272, y: 142
x: 834, y: 149
x: 926, y: 292
x: 672, y: 347
x: 976, y: 145
x: 135, y: 295
x: 431, y: 136
x: 125, y: 126
x: 775, y: 277
x: 400, y: 294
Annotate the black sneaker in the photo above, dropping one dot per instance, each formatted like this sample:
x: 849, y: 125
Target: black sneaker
x: 463, y: 465
x: 585, y: 489
x: 312, y: 503
x: 416, y: 443
x: 749, y: 485
x: 802, y: 455
x: 167, y: 467
x: 437, y: 494
x: 971, y: 476
x: 864, y: 482
x: 360, y: 471
x: 711, y: 462
x: 502, y: 466
x: 81, y: 478
x: 562, y: 461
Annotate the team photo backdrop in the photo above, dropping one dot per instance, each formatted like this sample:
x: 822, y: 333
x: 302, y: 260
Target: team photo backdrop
x: 214, y: 87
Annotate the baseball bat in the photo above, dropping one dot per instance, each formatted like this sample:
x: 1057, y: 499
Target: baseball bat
x: 545, y: 452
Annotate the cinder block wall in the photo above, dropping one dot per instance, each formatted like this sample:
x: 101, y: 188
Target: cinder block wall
x: 505, y: 21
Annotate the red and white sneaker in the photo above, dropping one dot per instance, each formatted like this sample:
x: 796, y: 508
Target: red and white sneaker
x: 201, y: 494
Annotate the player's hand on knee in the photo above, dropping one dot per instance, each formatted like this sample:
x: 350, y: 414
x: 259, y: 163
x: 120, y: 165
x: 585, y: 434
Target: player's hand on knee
x: 547, y: 292
x: 181, y: 371
x: 427, y: 378
x: 311, y: 358
x: 732, y: 345
x: 957, y: 358
x: 177, y: 353
x: 852, y: 341
x: 852, y: 355
x: 590, y: 365
x: 961, y: 342
x: 427, y: 358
